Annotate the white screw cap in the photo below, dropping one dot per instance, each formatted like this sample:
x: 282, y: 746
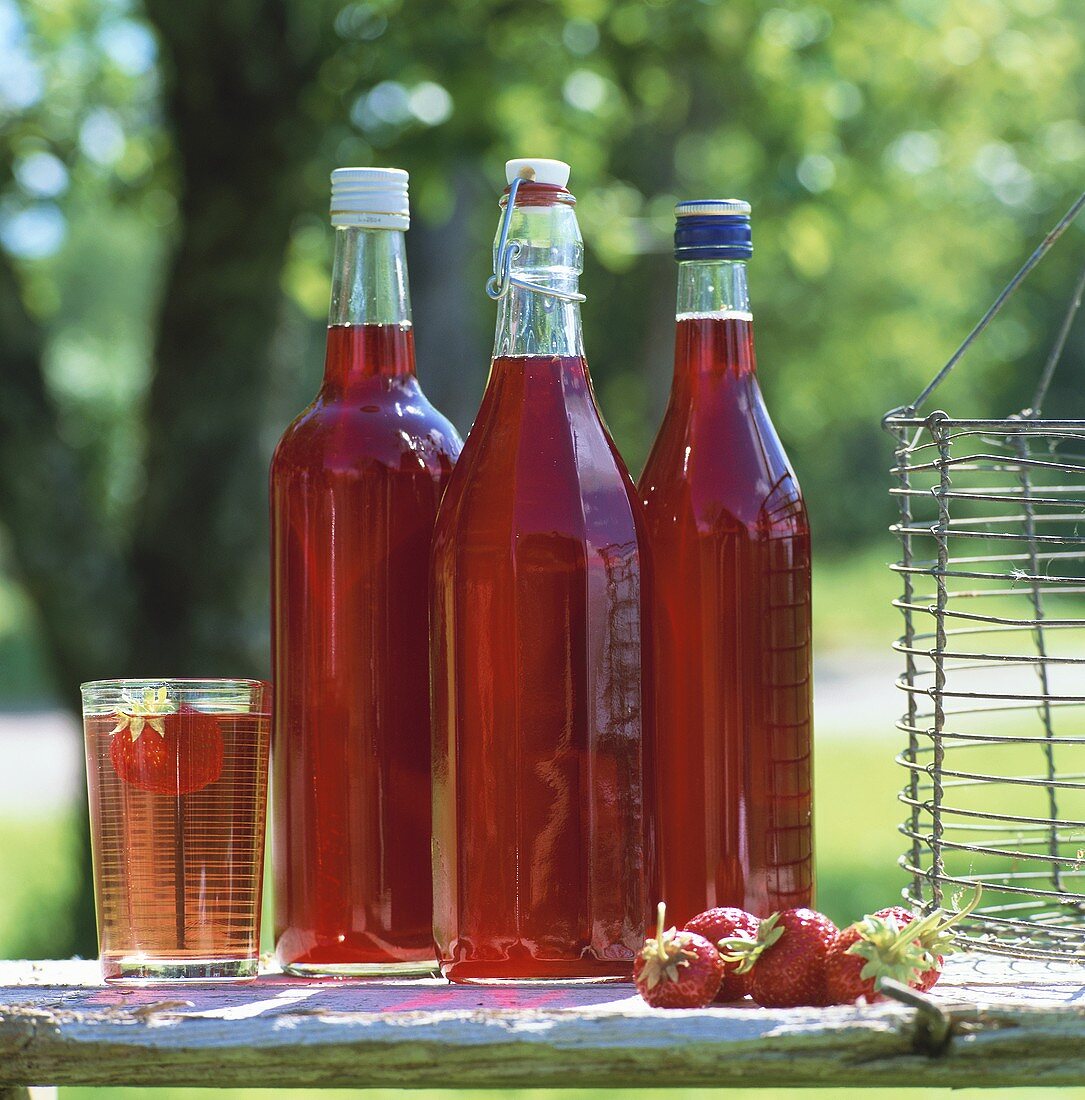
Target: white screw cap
x: 374, y: 198
x: 553, y: 172
x: 721, y: 208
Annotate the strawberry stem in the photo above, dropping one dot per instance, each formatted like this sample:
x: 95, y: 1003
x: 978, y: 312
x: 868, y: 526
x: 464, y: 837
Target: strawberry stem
x: 743, y: 951
x: 661, y: 924
x: 973, y: 901
x: 667, y: 951
x: 937, y: 921
x: 907, y: 952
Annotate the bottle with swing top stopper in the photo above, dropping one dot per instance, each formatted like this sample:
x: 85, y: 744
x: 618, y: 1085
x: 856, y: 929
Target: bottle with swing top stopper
x: 542, y: 853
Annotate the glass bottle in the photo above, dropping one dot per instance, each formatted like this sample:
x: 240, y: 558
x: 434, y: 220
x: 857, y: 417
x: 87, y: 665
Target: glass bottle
x: 731, y: 551
x: 541, y: 842
x: 355, y: 485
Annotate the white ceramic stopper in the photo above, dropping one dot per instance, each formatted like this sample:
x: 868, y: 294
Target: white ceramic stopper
x: 553, y: 172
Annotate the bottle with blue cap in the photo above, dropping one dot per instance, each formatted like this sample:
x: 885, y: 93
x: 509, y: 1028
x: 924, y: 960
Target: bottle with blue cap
x: 542, y: 859
x: 731, y: 583
x: 355, y: 484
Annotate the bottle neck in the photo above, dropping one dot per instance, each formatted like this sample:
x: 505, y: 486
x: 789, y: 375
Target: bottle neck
x: 369, y: 323
x: 551, y: 255
x: 369, y: 278
x: 713, y: 288
x: 714, y: 332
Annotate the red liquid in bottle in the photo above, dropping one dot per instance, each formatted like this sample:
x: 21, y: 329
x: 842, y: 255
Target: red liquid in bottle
x: 731, y: 555
x: 541, y: 851
x: 355, y: 483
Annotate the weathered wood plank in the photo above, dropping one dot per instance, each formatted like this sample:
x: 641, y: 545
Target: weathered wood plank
x: 1010, y: 1024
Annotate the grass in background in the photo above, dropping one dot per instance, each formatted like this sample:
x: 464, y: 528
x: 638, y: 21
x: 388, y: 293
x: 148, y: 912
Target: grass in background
x: 856, y: 815
x: 853, y: 600
x: 36, y: 876
x: 855, y: 823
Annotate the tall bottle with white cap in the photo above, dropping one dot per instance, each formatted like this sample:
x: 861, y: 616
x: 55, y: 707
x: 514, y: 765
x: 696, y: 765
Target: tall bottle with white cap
x: 731, y: 555
x: 355, y: 485
x: 542, y: 853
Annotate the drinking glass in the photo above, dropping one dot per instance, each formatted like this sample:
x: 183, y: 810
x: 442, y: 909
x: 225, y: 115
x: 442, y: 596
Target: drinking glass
x: 177, y: 776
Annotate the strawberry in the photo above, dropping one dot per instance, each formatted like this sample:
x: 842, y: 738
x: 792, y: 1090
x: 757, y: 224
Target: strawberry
x: 722, y: 923
x: 677, y: 969
x: 872, y: 949
x: 933, y: 935
x: 786, y: 962
x: 164, y: 750
x: 903, y: 917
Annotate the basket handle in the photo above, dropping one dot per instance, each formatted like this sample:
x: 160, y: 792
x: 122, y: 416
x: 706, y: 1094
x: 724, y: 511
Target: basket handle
x: 1057, y: 346
x: 1000, y: 301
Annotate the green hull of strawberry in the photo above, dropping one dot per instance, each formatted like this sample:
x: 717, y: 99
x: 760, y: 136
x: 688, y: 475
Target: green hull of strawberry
x: 878, y: 947
x: 786, y: 962
x: 677, y: 968
x: 929, y: 978
x: 844, y: 983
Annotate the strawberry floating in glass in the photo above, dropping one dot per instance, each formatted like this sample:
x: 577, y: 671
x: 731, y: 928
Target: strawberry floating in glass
x: 149, y: 751
x: 177, y: 776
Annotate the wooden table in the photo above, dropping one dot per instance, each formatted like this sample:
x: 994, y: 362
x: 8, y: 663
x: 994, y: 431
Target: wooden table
x: 993, y: 1022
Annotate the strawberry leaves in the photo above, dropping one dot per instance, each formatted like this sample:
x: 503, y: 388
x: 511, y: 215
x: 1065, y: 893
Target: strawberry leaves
x: 148, y: 711
x: 677, y: 968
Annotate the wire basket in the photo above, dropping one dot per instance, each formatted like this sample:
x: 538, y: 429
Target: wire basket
x: 992, y: 566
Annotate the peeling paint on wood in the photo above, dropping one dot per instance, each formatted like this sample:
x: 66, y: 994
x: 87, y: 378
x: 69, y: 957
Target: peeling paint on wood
x: 1011, y: 1023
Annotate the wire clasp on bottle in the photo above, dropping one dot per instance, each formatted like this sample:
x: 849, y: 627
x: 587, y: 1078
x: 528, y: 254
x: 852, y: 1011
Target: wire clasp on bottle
x: 502, y: 280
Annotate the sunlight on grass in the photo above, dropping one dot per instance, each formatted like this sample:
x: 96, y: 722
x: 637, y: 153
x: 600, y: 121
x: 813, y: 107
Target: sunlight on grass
x: 36, y: 872
x: 853, y: 600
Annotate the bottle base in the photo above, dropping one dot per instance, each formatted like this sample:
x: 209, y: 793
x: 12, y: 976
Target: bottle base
x: 490, y: 973
x: 427, y: 968
x: 456, y: 979
x: 144, y: 971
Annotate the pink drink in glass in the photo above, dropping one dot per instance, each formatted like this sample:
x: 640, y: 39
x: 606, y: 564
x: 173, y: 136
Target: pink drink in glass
x: 177, y: 776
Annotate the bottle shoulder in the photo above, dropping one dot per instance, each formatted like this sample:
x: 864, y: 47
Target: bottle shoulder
x: 381, y: 425
x: 718, y: 462
x: 546, y: 478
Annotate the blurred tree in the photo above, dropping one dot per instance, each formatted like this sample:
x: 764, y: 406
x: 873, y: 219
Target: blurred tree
x: 176, y: 594
x: 243, y: 136
x: 164, y: 256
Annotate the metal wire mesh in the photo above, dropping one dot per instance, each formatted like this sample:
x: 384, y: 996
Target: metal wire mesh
x: 992, y: 568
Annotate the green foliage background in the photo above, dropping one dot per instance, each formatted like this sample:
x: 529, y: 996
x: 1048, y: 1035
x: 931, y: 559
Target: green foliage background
x: 902, y: 158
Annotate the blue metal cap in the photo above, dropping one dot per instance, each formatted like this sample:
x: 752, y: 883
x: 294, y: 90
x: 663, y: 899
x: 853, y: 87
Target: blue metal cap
x: 712, y: 229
